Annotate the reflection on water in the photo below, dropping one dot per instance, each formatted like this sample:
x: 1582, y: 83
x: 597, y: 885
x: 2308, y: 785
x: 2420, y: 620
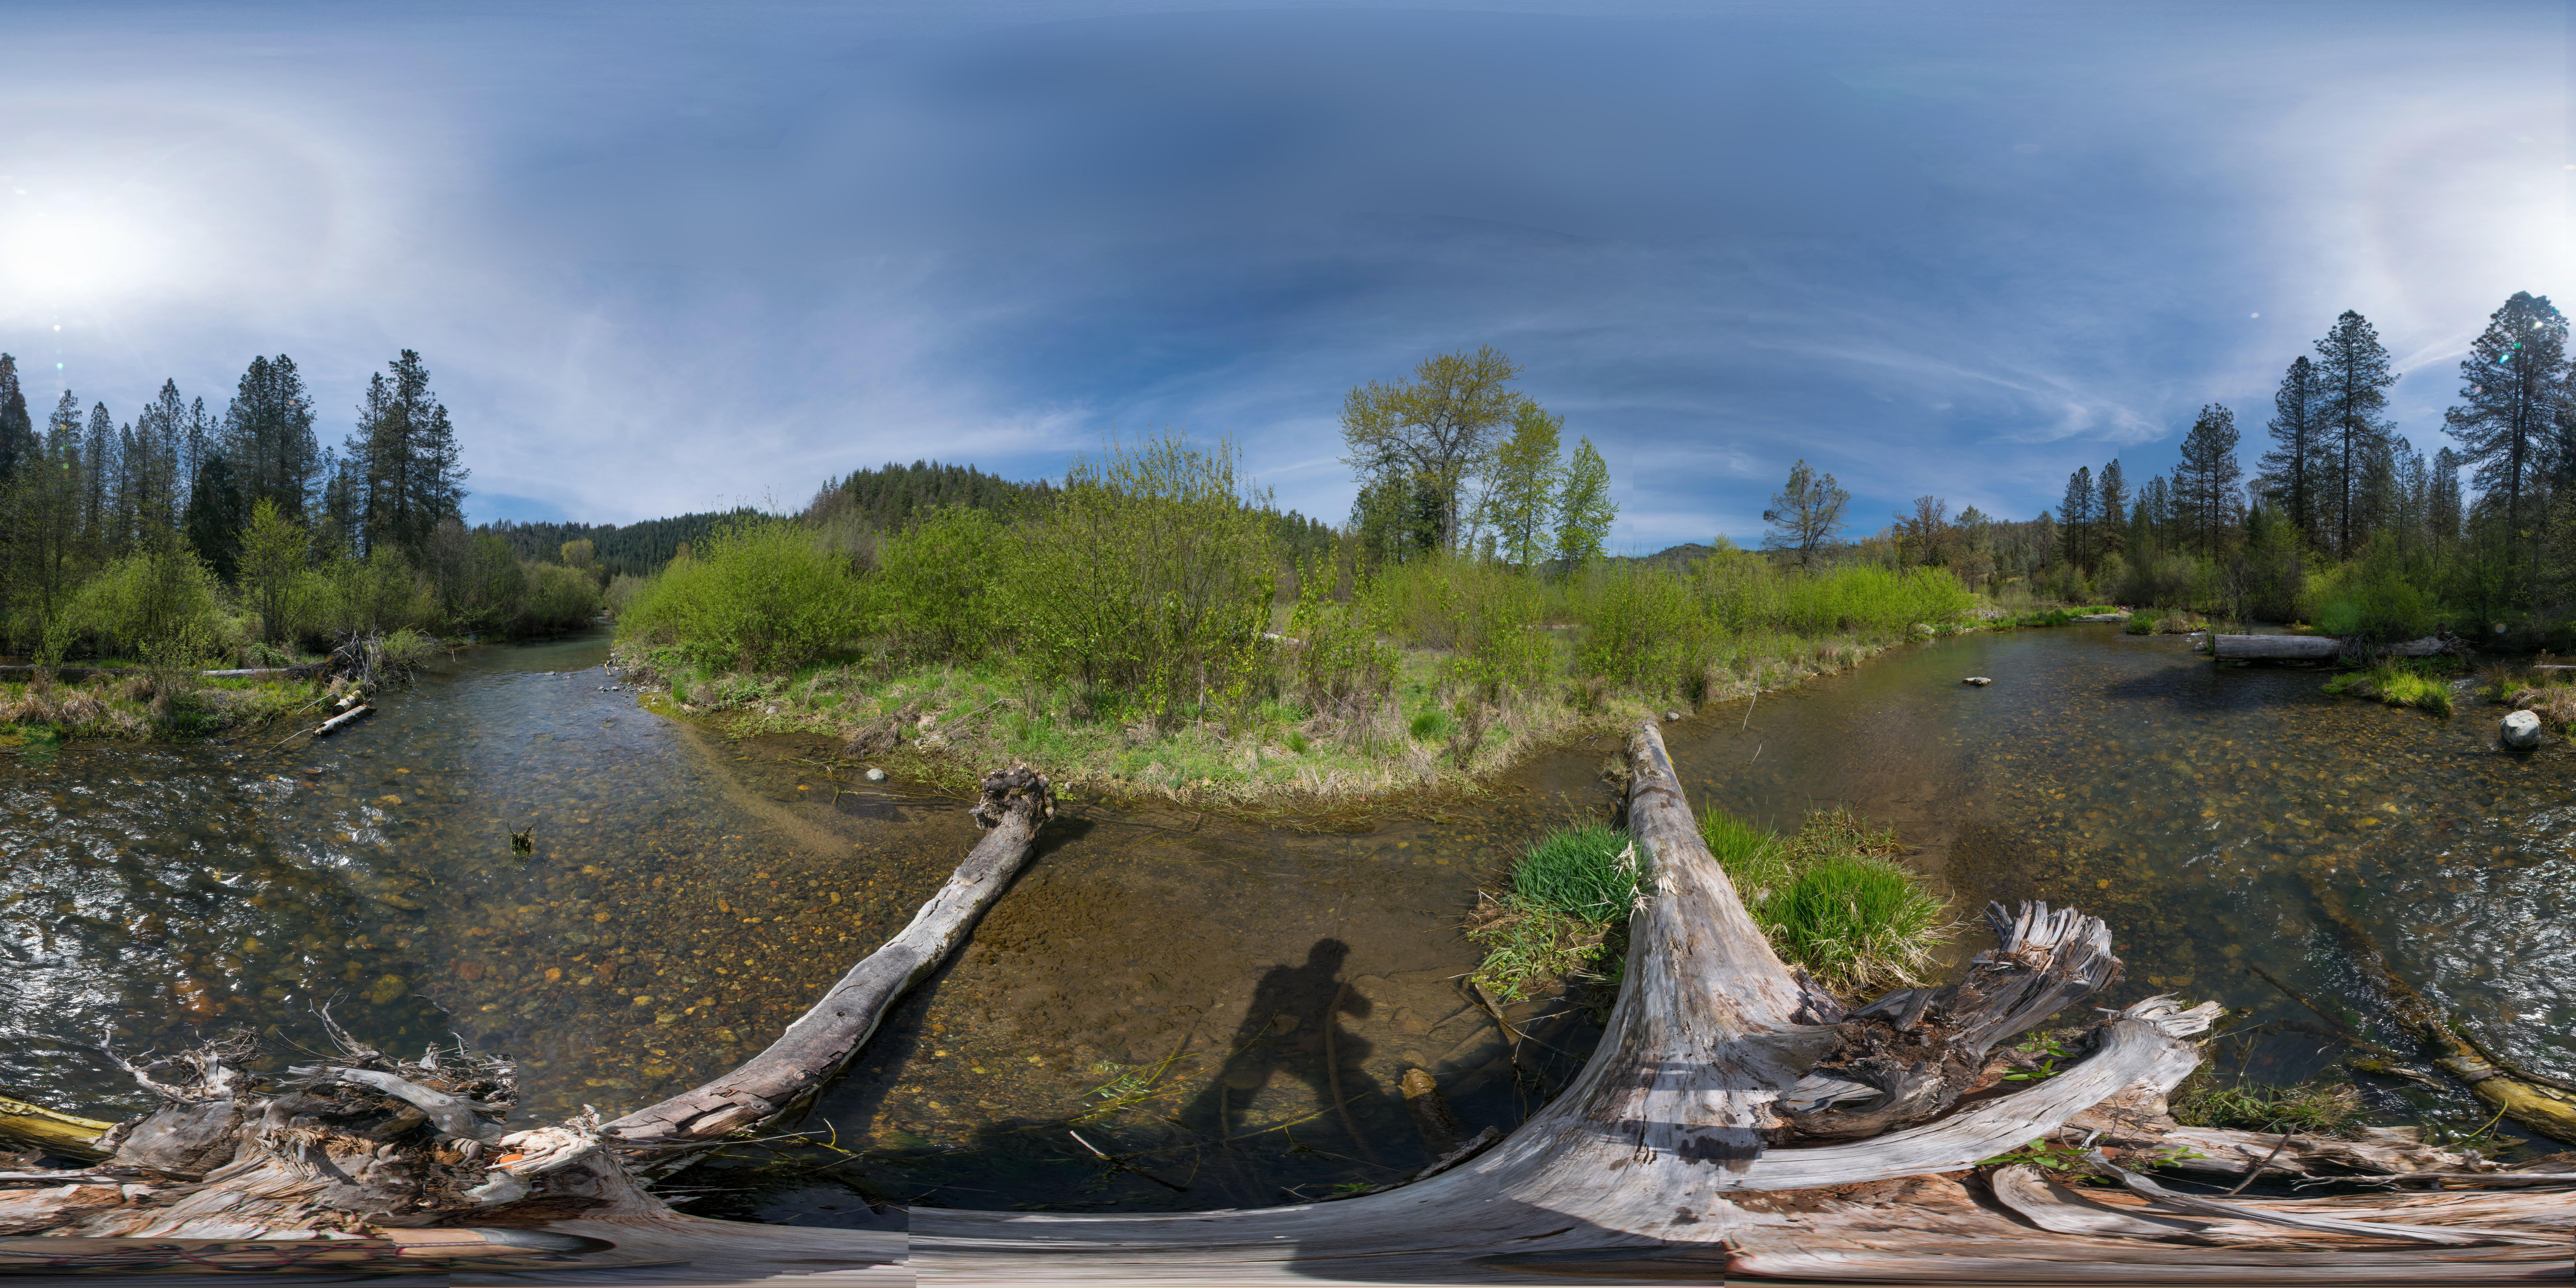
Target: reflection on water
x: 1225, y: 1010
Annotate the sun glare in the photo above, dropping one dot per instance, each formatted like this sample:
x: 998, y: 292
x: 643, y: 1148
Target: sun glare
x: 61, y: 255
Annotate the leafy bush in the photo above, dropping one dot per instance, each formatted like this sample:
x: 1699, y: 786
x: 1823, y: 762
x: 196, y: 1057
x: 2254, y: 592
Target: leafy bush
x: 1153, y: 576
x: 937, y: 582
x: 762, y: 596
x: 1644, y: 629
x: 553, y: 598
x: 143, y: 603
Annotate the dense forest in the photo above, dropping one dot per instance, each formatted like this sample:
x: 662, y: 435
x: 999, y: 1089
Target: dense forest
x: 181, y: 534
x: 2341, y: 521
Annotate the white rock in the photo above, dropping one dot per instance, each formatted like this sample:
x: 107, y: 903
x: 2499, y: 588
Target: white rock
x: 1980, y: 681
x: 876, y: 775
x: 2521, y: 729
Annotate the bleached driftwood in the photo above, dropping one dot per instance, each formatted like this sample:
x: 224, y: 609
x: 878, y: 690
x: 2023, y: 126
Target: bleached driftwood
x: 820, y: 1044
x: 2316, y: 648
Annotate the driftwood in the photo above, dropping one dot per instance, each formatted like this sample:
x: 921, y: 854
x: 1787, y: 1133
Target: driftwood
x: 1684, y: 1151
x: 342, y: 720
x: 2318, y: 648
x: 786, y: 1077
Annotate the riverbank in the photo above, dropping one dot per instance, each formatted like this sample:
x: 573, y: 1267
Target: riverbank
x: 138, y: 704
x: 939, y: 724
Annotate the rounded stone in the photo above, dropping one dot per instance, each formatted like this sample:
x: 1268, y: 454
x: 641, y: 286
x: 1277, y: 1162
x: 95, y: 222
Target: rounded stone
x: 2521, y: 729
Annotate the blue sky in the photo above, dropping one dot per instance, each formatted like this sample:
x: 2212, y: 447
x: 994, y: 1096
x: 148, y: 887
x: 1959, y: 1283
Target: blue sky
x: 664, y: 258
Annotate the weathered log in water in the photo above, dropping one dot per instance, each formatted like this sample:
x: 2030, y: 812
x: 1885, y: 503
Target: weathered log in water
x: 786, y: 1077
x: 346, y: 718
x: 2316, y: 648
x: 1681, y: 1150
x: 2545, y: 1105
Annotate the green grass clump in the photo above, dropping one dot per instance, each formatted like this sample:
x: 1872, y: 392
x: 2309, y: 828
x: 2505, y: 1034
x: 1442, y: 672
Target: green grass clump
x: 2397, y: 684
x: 1833, y: 898
x: 1564, y: 915
x: 2315, y: 1108
x: 1588, y: 873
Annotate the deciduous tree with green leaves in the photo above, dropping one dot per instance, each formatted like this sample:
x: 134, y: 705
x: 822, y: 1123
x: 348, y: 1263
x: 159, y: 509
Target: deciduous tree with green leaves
x: 1584, y: 508
x: 1521, y: 492
x: 1439, y: 429
x: 274, y: 551
x: 1805, y: 515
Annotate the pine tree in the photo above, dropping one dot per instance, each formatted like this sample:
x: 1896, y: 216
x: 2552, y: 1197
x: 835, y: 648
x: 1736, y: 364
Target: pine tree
x: 98, y: 477
x: 406, y: 455
x: 2298, y: 432
x: 1584, y: 509
x: 2205, y: 482
x: 196, y: 442
x: 1805, y: 515
x: 2442, y: 508
x: 2111, y: 512
x: 268, y: 433
x: 19, y: 448
x: 2511, y: 395
x: 2075, y: 520
x: 214, y: 518
x: 1520, y: 494
x: 2352, y: 386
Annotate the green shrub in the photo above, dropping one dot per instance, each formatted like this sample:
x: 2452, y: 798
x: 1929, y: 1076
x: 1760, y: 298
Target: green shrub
x: 145, y: 602
x: 1644, y: 629
x: 1153, y: 576
x: 763, y: 595
x: 938, y: 582
x: 553, y: 598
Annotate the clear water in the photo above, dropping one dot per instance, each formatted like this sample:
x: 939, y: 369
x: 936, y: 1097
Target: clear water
x: 1227, y: 1007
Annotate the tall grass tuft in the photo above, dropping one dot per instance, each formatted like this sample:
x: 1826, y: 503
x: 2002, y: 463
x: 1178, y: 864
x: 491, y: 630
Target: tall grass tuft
x: 1833, y: 898
x: 1587, y: 872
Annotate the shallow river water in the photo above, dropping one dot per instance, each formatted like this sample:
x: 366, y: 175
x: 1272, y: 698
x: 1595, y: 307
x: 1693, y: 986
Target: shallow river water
x: 1229, y: 1007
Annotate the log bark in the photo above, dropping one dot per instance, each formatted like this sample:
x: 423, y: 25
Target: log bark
x: 340, y: 721
x: 50, y: 1130
x: 785, y: 1078
x: 2316, y: 648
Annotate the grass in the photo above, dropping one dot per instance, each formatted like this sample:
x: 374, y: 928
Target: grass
x: 2314, y: 1108
x: 143, y: 704
x: 2172, y: 621
x: 1564, y: 915
x: 1832, y: 898
x: 1271, y: 753
x: 2399, y: 684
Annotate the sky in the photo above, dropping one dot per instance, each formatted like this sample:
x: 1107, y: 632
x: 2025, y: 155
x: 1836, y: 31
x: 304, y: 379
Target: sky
x: 663, y: 258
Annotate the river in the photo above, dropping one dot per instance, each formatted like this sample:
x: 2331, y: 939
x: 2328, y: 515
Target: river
x: 1227, y: 1007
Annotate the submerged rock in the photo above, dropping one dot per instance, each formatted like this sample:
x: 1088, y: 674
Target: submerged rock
x: 2521, y: 729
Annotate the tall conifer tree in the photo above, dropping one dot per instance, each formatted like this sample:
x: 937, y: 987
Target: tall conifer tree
x: 2111, y: 510
x: 268, y: 433
x: 2511, y: 389
x: 2298, y: 430
x: 2352, y: 385
x: 19, y: 448
x: 2075, y: 519
x: 2205, y: 482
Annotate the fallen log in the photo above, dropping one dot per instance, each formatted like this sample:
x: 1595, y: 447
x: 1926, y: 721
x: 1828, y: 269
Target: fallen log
x: 2317, y: 648
x: 341, y: 721
x: 785, y: 1078
x: 50, y: 1130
